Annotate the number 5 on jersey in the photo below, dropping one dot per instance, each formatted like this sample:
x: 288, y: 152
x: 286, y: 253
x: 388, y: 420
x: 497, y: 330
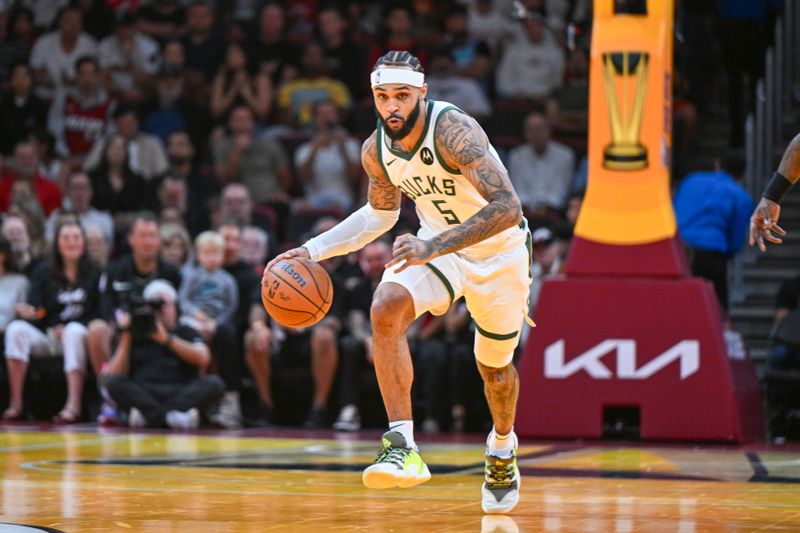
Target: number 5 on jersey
x: 449, y: 216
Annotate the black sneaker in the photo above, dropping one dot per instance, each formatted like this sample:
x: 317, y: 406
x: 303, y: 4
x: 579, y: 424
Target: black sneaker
x: 317, y: 418
x: 261, y: 417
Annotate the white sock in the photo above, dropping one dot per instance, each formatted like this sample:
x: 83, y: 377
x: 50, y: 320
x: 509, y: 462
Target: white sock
x: 406, y: 429
x: 501, y: 445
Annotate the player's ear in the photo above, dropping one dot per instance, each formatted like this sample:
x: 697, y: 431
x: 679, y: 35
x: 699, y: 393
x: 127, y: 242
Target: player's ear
x: 423, y: 91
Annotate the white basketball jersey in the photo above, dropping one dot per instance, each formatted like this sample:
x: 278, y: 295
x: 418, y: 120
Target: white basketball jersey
x: 444, y: 198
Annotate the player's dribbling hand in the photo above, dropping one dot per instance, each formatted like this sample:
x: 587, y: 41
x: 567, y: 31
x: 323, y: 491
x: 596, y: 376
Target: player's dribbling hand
x: 410, y: 250
x: 764, y: 223
x: 299, y: 253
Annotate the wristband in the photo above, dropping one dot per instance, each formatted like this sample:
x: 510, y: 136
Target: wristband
x: 777, y: 188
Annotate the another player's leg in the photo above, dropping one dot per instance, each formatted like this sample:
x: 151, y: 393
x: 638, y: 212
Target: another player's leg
x: 500, y: 490
x: 398, y: 463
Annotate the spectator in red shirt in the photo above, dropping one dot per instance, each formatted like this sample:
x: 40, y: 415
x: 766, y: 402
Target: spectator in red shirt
x: 26, y: 169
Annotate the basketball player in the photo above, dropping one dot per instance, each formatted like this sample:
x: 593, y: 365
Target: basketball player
x: 473, y: 242
x: 764, y: 222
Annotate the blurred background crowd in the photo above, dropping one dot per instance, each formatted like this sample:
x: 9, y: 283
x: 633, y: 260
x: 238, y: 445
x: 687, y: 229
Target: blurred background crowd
x: 191, y: 141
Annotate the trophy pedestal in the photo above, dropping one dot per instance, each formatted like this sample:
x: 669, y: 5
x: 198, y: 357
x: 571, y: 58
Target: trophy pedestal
x: 625, y: 157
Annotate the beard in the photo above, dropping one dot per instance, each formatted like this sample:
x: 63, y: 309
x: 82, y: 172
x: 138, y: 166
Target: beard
x: 408, y: 123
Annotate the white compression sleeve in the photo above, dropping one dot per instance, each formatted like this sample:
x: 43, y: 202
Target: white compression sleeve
x: 352, y: 233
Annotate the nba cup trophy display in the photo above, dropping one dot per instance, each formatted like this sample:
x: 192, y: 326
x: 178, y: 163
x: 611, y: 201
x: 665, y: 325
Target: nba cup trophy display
x: 627, y: 327
x: 625, y: 151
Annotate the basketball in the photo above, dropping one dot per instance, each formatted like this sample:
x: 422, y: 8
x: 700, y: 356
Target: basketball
x: 297, y: 292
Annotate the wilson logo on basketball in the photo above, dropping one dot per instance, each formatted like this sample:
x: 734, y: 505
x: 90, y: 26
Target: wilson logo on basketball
x: 289, y: 269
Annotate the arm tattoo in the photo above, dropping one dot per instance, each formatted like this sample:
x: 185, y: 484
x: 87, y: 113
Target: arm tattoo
x: 790, y: 163
x: 382, y: 194
x: 463, y: 144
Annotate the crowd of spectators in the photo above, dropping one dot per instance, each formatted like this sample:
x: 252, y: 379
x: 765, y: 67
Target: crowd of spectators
x: 169, y: 148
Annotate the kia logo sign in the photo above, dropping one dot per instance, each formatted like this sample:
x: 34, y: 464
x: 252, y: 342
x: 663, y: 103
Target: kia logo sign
x: 686, y: 351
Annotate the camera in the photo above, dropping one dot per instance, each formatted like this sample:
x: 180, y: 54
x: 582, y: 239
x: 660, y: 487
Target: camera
x: 142, y: 312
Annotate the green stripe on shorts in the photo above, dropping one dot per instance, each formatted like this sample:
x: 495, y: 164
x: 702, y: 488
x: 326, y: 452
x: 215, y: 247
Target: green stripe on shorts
x: 495, y: 336
x: 444, y: 280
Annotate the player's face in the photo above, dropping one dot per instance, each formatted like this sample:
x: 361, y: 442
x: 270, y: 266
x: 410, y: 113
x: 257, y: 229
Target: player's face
x: 398, y: 106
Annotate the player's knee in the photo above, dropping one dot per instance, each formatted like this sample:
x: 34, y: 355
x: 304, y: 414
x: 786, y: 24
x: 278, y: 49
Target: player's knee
x: 494, y: 353
x: 392, y: 308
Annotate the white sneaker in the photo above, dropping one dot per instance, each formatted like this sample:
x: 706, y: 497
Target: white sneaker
x: 349, y: 419
x: 500, y: 490
x: 229, y: 413
x: 396, y: 465
x: 136, y: 419
x: 183, y: 419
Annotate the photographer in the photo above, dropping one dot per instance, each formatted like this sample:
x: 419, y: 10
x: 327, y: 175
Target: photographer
x: 155, y: 372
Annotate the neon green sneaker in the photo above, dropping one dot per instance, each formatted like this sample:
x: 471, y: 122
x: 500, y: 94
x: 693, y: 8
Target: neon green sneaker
x: 500, y: 490
x: 396, y: 465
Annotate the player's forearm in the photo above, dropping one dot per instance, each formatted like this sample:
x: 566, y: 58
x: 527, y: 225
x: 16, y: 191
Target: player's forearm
x: 503, y: 212
x: 790, y: 163
x: 353, y: 233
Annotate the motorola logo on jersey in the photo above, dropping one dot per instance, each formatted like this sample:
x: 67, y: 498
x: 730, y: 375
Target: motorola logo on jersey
x: 426, y: 155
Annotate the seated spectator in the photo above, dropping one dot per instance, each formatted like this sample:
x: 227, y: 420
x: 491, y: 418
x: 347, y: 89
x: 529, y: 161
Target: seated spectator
x: 63, y: 299
x: 55, y: 54
x: 487, y: 23
x: 296, y: 98
x: 542, y: 169
x: 532, y: 63
x: 173, y: 55
x: 21, y: 27
x: 255, y: 247
x: 345, y: 60
x: 471, y: 55
x: 444, y: 83
x: 317, y: 346
x: 568, y: 106
x: 272, y: 53
x: 202, y: 186
x: 98, y: 246
x: 209, y: 298
x: 249, y: 311
x: 236, y: 205
x: 356, y: 345
x: 78, y: 197
x: 25, y: 170
x: 713, y: 214
x: 28, y: 209
x: 79, y: 116
x: 172, y: 194
x: 13, y: 50
x: 258, y: 163
x: 204, y: 46
x: 16, y: 232
x: 398, y: 34
x: 162, y: 20
x: 158, y: 377
x: 234, y: 85
x: 145, y: 152
x: 785, y: 351
x: 21, y: 111
x: 51, y: 165
x: 14, y: 285
x: 124, y: 277
x: 176, y: 245
x: 117, y: 188
x: 329, y: 165
x: 98, y: 18
x: 129, y: 58
x: 165, y: 110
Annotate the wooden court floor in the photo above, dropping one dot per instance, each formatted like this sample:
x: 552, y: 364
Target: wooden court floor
x: 93, y: 480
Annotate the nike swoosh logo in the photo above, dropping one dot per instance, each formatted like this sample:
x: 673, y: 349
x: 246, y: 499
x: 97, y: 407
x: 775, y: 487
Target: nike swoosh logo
x: 394, y: 427
x: 392, y: 161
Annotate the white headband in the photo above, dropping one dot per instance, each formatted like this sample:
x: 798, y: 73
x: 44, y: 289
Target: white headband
x: 397, y: 75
